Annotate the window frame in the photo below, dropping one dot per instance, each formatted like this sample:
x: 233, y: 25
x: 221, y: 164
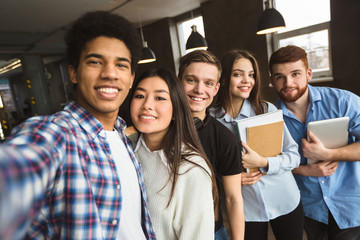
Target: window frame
x: 180, y: 36
x: 320, y: 76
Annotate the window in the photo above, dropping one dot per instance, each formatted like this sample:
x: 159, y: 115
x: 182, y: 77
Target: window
x: 6, y: 99
x: 184, y: 31
x: 6, y: 106
x: 307, y: 26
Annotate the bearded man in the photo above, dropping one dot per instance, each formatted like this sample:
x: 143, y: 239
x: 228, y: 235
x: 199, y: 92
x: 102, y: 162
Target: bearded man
x: 330, y: 189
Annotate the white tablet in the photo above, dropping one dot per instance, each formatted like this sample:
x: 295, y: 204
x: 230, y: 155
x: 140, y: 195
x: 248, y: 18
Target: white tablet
x: 333, y: 133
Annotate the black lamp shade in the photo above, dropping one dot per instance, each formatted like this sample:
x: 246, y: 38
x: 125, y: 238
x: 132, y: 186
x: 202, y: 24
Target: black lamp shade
x: 270, y: 21
x: 196, y: 41
x: 147, y: 55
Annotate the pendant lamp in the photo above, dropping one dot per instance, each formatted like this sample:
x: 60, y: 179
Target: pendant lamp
x: 147, y: 55
x: 271, y: 20
x: 195, y: 41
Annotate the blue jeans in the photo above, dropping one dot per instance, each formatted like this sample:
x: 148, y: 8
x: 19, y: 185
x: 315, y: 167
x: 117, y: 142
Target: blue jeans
x: 221, y: 234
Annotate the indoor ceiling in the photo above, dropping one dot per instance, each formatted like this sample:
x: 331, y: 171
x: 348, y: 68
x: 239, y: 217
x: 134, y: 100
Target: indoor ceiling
x: 37, y: 26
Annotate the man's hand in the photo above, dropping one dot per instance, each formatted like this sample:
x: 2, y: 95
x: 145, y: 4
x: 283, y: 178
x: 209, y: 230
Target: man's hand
x: 250, y: 178
x: 314, y: 149
x: 320, y: 169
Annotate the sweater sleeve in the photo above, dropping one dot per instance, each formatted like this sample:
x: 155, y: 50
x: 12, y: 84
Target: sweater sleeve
x: 195, y: 211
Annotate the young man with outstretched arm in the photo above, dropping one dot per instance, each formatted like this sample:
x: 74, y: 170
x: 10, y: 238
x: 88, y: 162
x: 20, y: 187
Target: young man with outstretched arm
x: 73, y: 175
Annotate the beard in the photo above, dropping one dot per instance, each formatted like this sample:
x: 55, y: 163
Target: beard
x: 292, y: 98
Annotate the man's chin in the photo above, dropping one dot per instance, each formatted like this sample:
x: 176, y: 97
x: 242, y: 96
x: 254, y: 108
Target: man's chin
x: 197, y: 108
x: 293, y: 97
x: 197, y: 111
x: 287, y: 98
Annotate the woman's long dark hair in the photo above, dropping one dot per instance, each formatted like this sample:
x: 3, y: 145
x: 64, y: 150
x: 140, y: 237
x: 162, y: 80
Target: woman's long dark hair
x: 181, y: 140
x: 224, y: 98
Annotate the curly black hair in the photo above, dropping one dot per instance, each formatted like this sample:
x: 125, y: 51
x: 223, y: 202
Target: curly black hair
x: 101, y: 23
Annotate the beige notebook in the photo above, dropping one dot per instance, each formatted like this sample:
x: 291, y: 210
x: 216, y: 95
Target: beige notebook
x: 263, y: 133
x: 266, y: 139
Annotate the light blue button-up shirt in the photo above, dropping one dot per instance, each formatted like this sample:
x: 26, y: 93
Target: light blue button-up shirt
x: 276, y: 193
x: 340, y: 192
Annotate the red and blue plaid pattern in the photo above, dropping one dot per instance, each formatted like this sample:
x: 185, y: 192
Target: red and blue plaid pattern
x: 59, y: 180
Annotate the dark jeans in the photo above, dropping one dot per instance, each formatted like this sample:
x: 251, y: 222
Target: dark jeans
x: 320, y: 231
x: 289, y: 226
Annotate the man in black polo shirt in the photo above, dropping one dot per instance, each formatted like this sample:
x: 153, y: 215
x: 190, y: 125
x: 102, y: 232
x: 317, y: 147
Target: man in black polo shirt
x: 199, y: 72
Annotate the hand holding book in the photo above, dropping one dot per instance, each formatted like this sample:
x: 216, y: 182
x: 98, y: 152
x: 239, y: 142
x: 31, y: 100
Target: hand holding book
x: 252, y: 159
x: 263, y: 134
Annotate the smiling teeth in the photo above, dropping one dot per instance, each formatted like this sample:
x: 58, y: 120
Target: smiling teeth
x: 196, y: 99
x: 108, y: 90
x: 147, y: 117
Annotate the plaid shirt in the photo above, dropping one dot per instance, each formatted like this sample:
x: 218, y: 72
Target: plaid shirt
x: 60, y: 181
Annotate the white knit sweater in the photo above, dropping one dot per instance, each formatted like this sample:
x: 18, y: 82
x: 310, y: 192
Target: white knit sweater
x: 190, y: 214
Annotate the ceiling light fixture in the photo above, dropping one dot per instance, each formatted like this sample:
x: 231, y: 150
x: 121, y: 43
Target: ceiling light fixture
x: 10, y: 66
x: 147, y: 55
x: 270, y: 20
x: 195, y: 41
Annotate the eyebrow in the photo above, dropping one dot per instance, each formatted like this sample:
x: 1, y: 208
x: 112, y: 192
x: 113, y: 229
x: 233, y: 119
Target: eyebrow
x: 238, y: 69
x: 194, y: 76
x: 190, y: 75
x: 157, y: 91
x: 280, y: 74
x: 95, y: 55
